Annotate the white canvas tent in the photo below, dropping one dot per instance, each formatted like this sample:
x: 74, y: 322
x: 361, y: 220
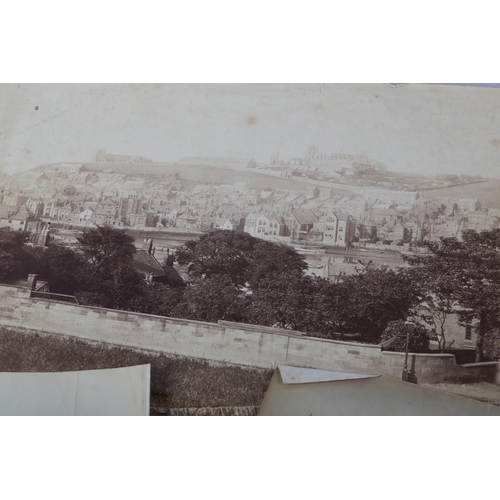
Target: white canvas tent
x: 308, y: 392
x: 114, y: 392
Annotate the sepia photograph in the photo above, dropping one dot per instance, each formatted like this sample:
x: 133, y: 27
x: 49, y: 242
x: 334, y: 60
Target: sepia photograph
x: 250, y: 249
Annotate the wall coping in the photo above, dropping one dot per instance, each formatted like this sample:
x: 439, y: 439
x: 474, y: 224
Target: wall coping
x: 344, y: 342
x: 124, y: 311
x: 18, y: 287
x: 261, y: 328
x: 419, y: 354
x: 483, y: 363
x: 291, y: 333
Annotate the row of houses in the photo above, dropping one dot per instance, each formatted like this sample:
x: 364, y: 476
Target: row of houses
x: 300, y: 215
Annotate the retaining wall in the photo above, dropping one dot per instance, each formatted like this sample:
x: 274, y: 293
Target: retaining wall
x: 227, y: 342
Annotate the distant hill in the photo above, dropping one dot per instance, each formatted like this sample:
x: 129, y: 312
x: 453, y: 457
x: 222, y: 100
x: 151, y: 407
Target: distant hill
x: 200, y: 173
x: 197, y: 173
x: 488, y: 192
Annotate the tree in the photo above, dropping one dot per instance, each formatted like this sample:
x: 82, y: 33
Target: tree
x: 64, y: 268
x: 115, y: 288
x: 241, y: 257
x: 15, y: 258
x: 268, y: 258
x: 111, y: 281
x: 438, y: 300
x: 335, y: 303
x: 370, y: 301
x: 211, y: 299
x: 157, y: 298
x: 472, y: 268
x: 218, y: 253
x: 105, y: 245
x: 397, y: 333
x: 288, y: 301
x: 436, y: 308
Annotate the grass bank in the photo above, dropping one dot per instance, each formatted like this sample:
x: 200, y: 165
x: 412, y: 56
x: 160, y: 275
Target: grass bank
x: 176, y: 382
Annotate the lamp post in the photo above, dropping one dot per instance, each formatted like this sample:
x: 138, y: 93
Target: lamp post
x: 405, y: 367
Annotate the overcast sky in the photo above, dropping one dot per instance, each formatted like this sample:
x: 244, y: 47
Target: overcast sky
x: 418, y: 127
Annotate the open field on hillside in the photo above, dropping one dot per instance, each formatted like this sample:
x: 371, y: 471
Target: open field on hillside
x: 207, y: 175
x: 487, y: 192
x: 201, y: 174
x: 176, y: 382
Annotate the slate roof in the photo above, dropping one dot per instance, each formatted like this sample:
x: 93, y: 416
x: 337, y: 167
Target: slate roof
x: 305, y: 216
x: 147, y: 263
x: 5, y: 210
x: 385, y: 211
x: 21, y: 214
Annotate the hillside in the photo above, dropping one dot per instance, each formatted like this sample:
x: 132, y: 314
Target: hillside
x: 195, y: 173
x: 488, y: 192
x: 203, y: 174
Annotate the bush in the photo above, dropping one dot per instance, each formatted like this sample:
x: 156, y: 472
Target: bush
x: 397, y: 331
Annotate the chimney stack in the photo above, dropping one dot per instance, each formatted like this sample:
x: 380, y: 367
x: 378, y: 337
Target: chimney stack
x: 32, y: 279
x: 147, y: 245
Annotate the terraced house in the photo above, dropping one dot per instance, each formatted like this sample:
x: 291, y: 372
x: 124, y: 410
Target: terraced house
x: 337, y: 229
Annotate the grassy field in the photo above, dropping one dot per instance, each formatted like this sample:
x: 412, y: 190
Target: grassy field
x: 176, y: 382
x: 202, y: 174
x: 487, y: 192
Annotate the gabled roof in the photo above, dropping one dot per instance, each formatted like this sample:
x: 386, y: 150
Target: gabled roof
x: 343, y: 216
x: 305, y: 216
x: 221, y: 220
x: 5, y: 210
x: 385, y: 211
x: 142, y: 261
x: 21, y: 214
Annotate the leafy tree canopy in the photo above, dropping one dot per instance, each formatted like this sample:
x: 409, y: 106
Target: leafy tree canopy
x: 369, y: 301
x: 397, y: 333
x: 105, y: 246
x: 211, y: 299
x: 469, y: 272
x: 239, y: 256
x: 288, y: 301
x: 15, y: 258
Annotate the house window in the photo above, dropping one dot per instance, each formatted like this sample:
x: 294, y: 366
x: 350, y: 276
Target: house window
x: 341, y: 228
x: 468, y: 332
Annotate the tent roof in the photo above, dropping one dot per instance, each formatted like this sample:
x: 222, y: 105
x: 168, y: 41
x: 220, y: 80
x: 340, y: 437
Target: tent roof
x: 295, y: 375
x: 305, y: 391
x: 114, y: 392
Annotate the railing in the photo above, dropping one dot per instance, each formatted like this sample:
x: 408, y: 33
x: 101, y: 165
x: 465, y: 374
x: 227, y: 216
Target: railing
x: 54, y: 296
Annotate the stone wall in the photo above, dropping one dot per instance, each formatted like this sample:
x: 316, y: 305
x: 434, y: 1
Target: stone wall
x: 226, y: 342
